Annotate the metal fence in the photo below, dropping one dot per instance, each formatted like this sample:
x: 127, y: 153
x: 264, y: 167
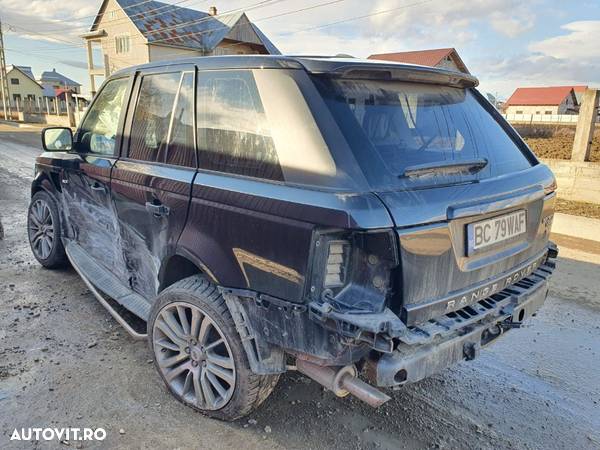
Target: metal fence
x: 544, y: 118
x: 50, y: 110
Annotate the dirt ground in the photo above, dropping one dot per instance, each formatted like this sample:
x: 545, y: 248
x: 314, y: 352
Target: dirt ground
x: 64, y: 362
x: 555, y: 142
x: 584, y: 209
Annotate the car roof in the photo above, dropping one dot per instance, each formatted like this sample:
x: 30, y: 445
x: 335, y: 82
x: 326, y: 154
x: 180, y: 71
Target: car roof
x: 336, y: 66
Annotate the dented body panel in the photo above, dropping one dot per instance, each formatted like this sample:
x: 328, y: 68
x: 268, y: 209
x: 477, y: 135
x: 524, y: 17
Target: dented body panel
x: 148, y: 236
x: 258, y: 235
x: 337, y: 262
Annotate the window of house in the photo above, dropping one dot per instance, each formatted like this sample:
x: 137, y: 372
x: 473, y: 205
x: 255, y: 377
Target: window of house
x: 548, y: 113
x: 14, y: 81
x: 233, y: 131
x: 519, y: 112
x: 122, y: 44
x: 99, y: 130
x: 162, y: 128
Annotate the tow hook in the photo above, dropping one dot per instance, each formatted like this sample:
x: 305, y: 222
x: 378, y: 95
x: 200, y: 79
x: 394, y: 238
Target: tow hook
x: 509, y: 325
x: 470, y: 351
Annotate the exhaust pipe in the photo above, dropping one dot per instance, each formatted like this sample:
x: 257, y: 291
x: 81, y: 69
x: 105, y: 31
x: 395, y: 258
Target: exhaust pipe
x: 343, y: 382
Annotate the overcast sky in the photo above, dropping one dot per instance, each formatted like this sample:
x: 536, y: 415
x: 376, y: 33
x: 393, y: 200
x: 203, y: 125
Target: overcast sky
x: 505, y: 43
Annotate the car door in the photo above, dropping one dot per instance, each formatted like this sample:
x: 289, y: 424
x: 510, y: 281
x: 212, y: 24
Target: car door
x: 151, y: 182
x: 91, y: 214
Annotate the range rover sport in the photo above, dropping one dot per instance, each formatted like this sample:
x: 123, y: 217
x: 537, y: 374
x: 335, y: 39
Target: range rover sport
x: 365, y: 223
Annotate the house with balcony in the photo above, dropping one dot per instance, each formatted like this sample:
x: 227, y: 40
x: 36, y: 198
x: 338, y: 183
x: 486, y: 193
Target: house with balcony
x: 130, y: 32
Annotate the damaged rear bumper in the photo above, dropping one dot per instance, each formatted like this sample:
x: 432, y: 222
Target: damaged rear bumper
x: 444, y: 342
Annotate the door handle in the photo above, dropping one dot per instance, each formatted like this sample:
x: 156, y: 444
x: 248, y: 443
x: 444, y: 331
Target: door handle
x: 95, y: 186
x: 158, y: 209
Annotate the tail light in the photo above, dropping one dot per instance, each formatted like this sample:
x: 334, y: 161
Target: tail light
x: 550, y: 188
x: 337, y: 259
x: 352, y: 270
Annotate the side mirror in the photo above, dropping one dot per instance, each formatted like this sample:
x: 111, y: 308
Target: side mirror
x: 57, y: 139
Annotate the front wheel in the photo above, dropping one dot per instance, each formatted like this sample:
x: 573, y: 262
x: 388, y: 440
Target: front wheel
x: 44, y: 231
x: 199, y: 354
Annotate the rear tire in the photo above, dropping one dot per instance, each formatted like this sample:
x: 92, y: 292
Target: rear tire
x: 44, y: 231
x: 198, y: 352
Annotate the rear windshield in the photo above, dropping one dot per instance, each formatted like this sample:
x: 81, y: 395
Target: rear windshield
x: 393, y: 127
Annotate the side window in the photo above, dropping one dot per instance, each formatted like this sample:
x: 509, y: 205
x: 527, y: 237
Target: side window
x: 152, y: 117
x: 233, y: 131
x: 181, y: 149
x: 99, y: 130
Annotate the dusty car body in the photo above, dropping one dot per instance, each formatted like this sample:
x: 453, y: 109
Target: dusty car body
x: 353, y: 216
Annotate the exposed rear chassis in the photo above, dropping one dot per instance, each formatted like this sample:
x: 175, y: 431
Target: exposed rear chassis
x: 391, y: 353
x: 409, y: 363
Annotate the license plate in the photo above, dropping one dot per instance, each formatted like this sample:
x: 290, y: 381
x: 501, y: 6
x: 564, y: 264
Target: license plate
x: 498, y: 229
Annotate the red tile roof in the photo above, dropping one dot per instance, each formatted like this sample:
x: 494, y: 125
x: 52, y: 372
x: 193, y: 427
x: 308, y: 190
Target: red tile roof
x: 421, y: 57
x: 543, y: 96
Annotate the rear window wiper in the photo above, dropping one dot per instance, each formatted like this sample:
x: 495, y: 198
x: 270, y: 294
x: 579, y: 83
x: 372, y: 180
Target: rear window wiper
x: 466, y: 167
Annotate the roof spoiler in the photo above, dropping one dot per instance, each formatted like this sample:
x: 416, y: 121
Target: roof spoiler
x: 404, y: 72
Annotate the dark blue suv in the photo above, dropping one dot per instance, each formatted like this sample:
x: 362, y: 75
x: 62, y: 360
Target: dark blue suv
x: 260, y: 214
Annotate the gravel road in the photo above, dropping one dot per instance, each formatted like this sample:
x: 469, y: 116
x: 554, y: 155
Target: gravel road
x: 64, y: 362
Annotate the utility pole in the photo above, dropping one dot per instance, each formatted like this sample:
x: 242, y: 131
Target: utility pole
x: 4, y: 80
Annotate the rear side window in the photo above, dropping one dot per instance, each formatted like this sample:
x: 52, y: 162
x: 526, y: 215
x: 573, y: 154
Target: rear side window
x: 233, y: 132
x: 162, y: 126
x: 98, y: 132
x: 181, y: 148
x: 394, y: 126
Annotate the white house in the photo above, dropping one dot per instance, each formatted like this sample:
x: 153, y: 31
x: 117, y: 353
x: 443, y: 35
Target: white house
x: 551, y: 100
x: 22, y: 86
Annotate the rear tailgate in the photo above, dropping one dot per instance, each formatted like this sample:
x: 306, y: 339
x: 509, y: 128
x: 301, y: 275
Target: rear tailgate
x: 441, y: 272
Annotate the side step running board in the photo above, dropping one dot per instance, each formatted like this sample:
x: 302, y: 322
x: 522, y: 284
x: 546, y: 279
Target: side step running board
x: 106, y: 282
x: 102, y: 300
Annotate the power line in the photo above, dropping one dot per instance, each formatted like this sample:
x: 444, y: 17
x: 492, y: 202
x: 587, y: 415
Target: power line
x: 250, y: 7
x: 268, y: 3
x: 365, y: 16
x: 150, y: 12
x: 98, y: 14
x: 198, y: 33
x: 203, y: 19
x: 253, y: 6
x: 319, y: 5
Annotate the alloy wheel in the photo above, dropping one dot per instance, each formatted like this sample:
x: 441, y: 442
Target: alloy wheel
x: 41, y: 229
x: 194, y: 356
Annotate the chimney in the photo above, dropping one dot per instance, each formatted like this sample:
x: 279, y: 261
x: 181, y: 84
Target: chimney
x: 212, y: 10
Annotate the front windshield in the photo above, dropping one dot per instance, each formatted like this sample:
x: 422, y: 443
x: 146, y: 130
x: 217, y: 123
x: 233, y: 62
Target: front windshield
x: 394, y: 126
